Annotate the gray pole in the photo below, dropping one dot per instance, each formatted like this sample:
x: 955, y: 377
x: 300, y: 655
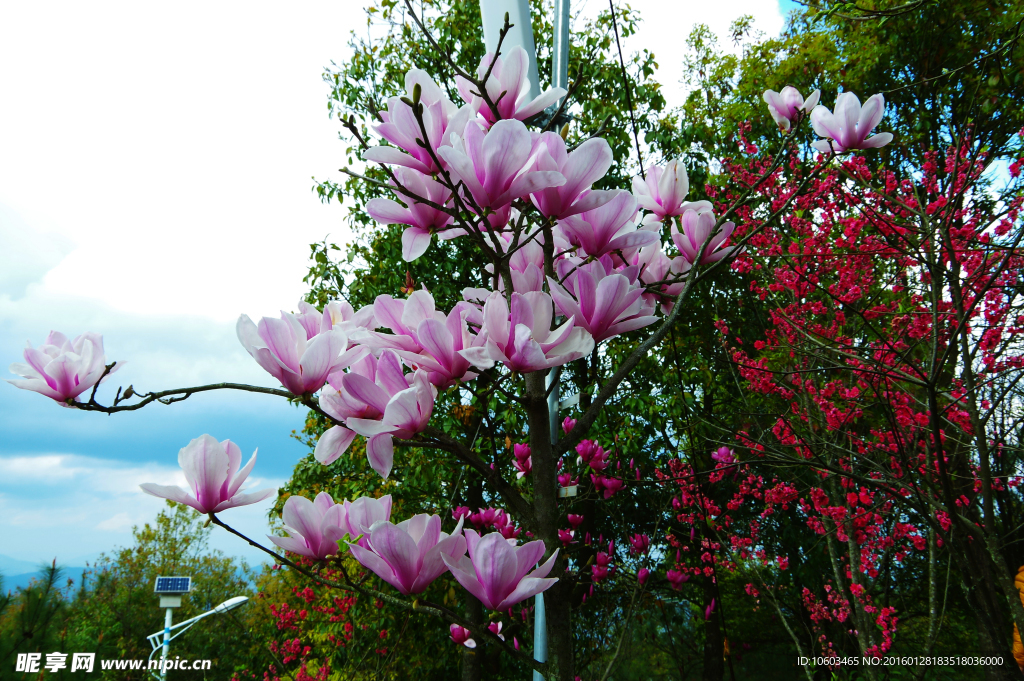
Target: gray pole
x: 492, y: 13
x: 560, y: 57
x: 167, y: 642
x: 540, y: 624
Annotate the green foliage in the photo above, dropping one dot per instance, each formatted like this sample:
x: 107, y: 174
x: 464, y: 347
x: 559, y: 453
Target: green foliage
x: 113, y: 609
x: 945, y: 68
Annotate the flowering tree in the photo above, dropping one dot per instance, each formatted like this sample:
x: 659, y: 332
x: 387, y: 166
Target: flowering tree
x: 565, y: 271
x: 890, y: 362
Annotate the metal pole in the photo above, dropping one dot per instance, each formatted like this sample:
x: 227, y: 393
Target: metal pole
x: 560, y: 56
x: 167, y: 642
x: 540, y: 634
x: 492, y: 14
x: 540, y: 623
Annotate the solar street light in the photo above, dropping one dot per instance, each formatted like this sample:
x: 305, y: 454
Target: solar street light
x: 170, y: 590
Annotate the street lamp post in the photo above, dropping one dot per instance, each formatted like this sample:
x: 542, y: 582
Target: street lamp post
x: 170, y: 590
x: 492, y: 15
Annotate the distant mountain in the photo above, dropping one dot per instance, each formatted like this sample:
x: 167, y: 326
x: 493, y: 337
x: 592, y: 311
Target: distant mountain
x: 13, y: 566
x: 18, y: 573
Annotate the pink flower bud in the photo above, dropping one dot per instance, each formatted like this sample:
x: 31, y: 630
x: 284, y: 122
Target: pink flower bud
x: 461, y: 636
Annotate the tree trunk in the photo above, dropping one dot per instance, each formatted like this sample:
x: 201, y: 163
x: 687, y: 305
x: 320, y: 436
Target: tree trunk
x: 714, y: 644
x: 472, y: 658
x: 994, y: 628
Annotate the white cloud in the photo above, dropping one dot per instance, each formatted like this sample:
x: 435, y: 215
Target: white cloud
x: 117, y: 523
x: 173, y: 145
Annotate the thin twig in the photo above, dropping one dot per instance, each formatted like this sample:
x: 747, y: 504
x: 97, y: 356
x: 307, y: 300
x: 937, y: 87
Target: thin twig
x: 629, y: 96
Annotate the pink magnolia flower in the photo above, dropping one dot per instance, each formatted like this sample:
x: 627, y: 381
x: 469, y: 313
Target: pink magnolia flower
x: 641, y: 576
x: 214, y: 479
x: 523, y: 461
x: 498, y: 572
x: 585, y: 165
x: 604, y: 303
x: 697, y: 227
x: 424, y: 337
x: 412, y: 554
x: 575, y: 520
x: 494, y: 165
x: 724, y: 455
x: 507, y: 87
x: 676, y: 579
x: 663, y: 191
x: 565, y: 536
x: 851, y: 124
x: 441, y: 119
x: 315, y: 526
x: 282, y: 347
x: 312, y: 320
x: 402, y: 317
x: 365, y: 512
x: 461, y: 636
x: 607, y: 228
x: 787, y: 105
x: 379, y: 408
x: 592, y: 454
x: 422, y: 219
x: 347, y: 319
x: 639, y: 544
x: 522, y: 339
x: 526, y: 266
x: 508, y: 530
x: 610, y: 486
x: 496, y: 518
x: 710, y: 609
x: 656, y: 268
x: 568, y: 423
x: 62, y: 369
x: 495, y: 628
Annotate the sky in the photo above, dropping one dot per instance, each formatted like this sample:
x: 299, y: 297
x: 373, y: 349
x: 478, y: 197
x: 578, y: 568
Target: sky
x: 155, y: 182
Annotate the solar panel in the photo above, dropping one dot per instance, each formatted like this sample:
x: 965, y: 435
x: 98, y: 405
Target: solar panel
x: 173, y: 585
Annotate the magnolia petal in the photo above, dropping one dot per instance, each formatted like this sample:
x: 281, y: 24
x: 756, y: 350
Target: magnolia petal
x: 371, y: 561
x: 399, y: 551
x: 332, y: 444
x: 293, y: 544
x: 415, y: 242
x: 392, y: 156
x: 463, y: 572
x: 172, y: 492
x: 380, y: 451
x: 876, y: 141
